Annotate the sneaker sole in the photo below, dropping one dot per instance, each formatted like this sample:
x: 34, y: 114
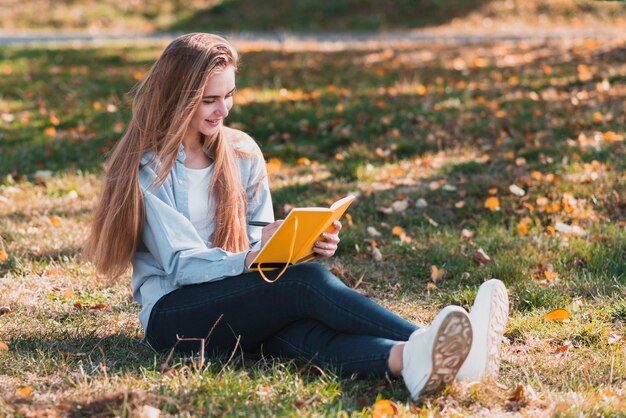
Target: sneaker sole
x: 451, y: 346
x: 499, y: 315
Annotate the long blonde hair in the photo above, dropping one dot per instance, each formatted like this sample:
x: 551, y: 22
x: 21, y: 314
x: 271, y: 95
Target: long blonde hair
x: 164, y: 102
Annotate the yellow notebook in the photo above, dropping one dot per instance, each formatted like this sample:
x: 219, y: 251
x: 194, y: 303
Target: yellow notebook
x: 293, y: 242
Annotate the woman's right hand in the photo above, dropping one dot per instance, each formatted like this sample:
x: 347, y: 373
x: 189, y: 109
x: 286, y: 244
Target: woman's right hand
x: 268, y: 231
x: 266, y: 234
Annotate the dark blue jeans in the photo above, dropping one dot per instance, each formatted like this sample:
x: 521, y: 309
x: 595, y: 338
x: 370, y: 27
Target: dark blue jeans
x: 307, y: 314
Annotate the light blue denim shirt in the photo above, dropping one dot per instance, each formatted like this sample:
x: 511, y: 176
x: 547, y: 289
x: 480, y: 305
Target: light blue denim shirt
x: 172, y: 254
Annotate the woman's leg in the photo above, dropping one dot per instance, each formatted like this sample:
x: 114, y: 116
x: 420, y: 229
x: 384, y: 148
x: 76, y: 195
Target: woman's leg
x: 311, y: 340
x: 255, y: 310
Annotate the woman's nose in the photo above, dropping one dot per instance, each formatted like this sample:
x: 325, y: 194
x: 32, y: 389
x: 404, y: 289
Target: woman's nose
x: 222, y: 110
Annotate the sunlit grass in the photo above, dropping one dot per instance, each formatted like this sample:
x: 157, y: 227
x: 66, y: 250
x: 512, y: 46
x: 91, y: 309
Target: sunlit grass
x: 434, y: 137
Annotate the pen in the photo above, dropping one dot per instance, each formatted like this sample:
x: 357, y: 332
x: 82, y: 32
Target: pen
x: 258, y: 223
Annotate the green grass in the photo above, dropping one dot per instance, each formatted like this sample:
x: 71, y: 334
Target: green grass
x: 391, y: 125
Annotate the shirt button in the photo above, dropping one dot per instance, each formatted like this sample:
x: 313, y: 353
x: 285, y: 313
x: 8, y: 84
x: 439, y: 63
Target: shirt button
x: 180, y: 182
x: 234, y: 270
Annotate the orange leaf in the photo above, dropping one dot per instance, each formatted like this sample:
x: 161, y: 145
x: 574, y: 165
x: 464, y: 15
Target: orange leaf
x: 304, y: 161
x: 3, y: 256
x: 551, y: 230
x: 55, y: 220
x: 3, y: 347
x: 550, y: 275
x: 557, y: 315
x: 522, y: 228
x: 54, y: 120
x: 68, y: 294
x: 436, y: 273
x: 492, y: 203
x: 564, y: 347
x: 384, y: 408
x: 398, y: 230
x: 137, y: 75
x: 431, y: 286
x: 25, y: 391
x: 50, y: 131
x: 493, y: 190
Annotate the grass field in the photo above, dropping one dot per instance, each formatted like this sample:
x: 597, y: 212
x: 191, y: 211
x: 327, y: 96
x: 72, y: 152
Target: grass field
x: 304, y: 15
x: 431, y: 137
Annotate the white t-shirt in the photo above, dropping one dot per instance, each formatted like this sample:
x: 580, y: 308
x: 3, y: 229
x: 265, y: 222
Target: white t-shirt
x: 199, y: 179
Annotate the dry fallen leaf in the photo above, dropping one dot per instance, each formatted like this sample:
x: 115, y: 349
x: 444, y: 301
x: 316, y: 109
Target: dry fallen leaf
x: 54, y: 220
x: 25, y: 391
x: 3, y: 347
x: 376, y: 254
x: 481, y: 258
x: 492, y: 203
x: 557, y: 315
x: 373, y: 232
x: 5, y: 310
x: 3, y: 256
x: 68, y: 294
x: 518, y: 394
x: 613, y: 338
x: 400, y: 205
x: 147, y: 411
x: 563, y: 348
x: 516, y: 190
x: 384, y: 408
x: 436, y: 273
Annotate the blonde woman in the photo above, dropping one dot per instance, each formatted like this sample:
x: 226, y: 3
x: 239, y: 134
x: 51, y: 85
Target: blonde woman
x: 179, y: 193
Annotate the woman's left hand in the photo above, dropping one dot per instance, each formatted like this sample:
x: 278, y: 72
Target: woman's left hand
x: 327, y: 245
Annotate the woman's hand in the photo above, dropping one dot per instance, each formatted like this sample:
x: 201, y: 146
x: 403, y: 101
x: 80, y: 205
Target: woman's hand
x: 326, y: 247
x: 266, y: 234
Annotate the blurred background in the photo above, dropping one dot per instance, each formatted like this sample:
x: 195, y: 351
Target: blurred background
x: 141, y: 16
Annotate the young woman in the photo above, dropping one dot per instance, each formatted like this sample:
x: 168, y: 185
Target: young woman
x: 179, y: 192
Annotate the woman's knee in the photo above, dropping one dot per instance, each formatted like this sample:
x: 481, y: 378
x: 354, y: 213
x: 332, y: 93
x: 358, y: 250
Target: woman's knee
x: 314, y: 273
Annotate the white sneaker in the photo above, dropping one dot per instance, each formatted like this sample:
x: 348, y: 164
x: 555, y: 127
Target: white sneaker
x: 432, y: 356
x: 488, y: 315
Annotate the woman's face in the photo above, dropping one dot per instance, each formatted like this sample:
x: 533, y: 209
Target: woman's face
x: 217, y: 100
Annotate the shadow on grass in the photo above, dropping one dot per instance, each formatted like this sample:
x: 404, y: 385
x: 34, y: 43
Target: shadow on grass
x: 325, y: 15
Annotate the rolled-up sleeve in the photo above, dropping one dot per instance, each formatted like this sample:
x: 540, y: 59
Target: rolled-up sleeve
x: 174, y: 243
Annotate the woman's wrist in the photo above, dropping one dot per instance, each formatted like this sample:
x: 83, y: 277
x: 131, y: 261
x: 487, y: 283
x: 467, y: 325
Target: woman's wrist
x: 251, y: 256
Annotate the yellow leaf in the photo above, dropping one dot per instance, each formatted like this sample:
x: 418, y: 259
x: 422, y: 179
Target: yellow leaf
x: 68, y: 294
x: 96, y: 105
x: 492, y: 203
x: 3, y: 347
x: 55, y: 220
x: 3, y: 256
x: 137, y: 75
x: 551, y: 230
x: 50, y: 131
x: 384, y: 408
x: 536, y: 175
x: 557, y: 315
x: 25, y: 391
x: 550, y: 275
x: 436, y: 273
x: 54, y: 120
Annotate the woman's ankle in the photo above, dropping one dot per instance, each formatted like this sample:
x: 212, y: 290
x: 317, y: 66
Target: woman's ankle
x: 395, y: 359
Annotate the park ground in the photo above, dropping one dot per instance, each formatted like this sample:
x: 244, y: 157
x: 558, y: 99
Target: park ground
x: 499, y: 158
